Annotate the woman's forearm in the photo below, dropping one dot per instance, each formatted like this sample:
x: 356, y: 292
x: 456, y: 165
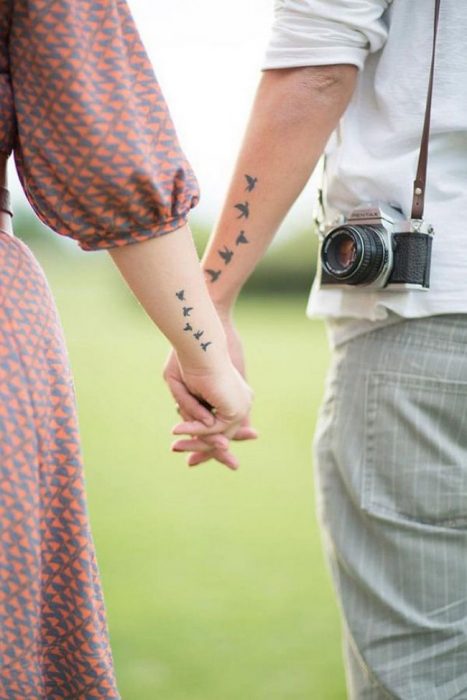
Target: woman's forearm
x: 166, y: 278
x: 294, y: 113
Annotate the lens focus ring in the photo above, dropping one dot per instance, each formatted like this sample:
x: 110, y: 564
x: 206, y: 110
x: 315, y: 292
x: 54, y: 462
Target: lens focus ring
x: 369, y: 254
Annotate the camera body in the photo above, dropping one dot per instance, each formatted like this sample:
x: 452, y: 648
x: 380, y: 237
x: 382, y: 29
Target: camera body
x: 377, y: 248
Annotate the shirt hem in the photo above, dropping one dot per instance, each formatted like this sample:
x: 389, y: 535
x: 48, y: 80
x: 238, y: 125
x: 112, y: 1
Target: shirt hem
x: 341, y: 329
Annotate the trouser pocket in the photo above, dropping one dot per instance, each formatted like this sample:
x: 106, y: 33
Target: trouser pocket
x: 415, y: 461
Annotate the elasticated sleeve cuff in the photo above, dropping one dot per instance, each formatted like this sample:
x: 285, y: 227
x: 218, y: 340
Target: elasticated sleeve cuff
x: 116, y: 240
x: 97, y: 152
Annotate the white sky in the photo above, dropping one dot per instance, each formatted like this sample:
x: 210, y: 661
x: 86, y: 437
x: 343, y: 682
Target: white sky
x: 207, y: 56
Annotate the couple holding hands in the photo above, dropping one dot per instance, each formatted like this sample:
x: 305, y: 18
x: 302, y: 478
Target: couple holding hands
x: 99, y: 161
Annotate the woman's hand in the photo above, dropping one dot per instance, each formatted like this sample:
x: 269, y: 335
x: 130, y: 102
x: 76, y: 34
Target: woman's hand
x: 225, y: 390
x: 207, y: 446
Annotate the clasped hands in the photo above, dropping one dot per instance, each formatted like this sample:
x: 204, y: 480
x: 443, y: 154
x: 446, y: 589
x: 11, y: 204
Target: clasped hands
x: 205, y: 434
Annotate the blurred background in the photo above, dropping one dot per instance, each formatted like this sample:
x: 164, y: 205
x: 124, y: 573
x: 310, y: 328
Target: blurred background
x: 215, y: 583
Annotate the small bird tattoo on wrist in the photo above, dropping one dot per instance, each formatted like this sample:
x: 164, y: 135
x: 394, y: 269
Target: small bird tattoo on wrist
x: 214, y: 274
x: 251, y: 183
x: 241, y: 238
x: 244, y: 209
x: 226, y: 254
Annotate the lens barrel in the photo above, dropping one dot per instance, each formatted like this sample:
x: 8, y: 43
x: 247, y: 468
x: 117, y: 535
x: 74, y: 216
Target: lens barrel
x: 354, y: 254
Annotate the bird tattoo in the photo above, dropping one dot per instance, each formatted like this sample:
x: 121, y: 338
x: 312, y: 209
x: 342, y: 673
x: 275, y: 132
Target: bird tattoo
x: 251, y: 183
x: 244, y: 210
x: 187, y: 310
x: 205, y: 346
x: 188, y: 327
x: 198, y: 334
x: 180, y: 295
x: 214, y: 274
x: 226, y: 254
x: 241, y: 238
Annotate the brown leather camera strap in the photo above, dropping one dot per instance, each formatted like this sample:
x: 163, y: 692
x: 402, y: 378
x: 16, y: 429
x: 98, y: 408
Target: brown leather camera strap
x: 5, y: 203
x: 418, y: 202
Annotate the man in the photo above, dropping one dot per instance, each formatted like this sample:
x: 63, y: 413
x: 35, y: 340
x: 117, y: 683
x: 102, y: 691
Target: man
x: 350, y: 78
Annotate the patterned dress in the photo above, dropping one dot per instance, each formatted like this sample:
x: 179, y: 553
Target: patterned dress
x: 99, y: 161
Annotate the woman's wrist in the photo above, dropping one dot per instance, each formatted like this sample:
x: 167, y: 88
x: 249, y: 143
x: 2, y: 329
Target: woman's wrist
x: 202, y: 359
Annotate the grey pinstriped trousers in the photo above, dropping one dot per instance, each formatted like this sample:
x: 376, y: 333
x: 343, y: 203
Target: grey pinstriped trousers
x: 391, y: 469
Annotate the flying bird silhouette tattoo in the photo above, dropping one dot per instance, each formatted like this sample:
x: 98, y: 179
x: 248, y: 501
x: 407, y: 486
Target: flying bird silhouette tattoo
x: 226, y: 254
x: 214, y: 274
x: 198, y: 334
x: 180, y: 295
x: 206, y: 345
x: 241, y: 238
x: 188, y: 327
x: 187, y: 310
x: 244, y: 210
x: 251, y: 183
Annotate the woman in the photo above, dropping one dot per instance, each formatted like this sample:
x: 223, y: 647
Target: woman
x: 99, y: 162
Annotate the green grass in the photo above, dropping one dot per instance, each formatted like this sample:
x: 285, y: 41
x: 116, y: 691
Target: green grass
x: 215, y: 583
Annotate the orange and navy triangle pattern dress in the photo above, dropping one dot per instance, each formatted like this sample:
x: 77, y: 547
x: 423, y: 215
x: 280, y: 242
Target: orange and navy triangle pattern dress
x: 99, y: 161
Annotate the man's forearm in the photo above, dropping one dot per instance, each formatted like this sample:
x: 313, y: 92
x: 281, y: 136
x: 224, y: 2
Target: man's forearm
x: 294, y: 113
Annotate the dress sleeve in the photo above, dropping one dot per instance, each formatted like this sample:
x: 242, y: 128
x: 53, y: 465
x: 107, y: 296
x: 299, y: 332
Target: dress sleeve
x: 96, y: 149
x: 325, y: 32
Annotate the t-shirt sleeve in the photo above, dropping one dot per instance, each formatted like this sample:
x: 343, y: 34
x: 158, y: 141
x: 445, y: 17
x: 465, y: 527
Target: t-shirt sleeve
x: 96, y: 149
x: 325, y: 32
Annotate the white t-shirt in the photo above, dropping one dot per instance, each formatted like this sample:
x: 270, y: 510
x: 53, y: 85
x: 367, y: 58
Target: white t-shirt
x: 373, y: 153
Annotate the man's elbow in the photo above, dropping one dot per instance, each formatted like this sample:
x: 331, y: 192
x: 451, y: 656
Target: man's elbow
x: 326, y: 79
x: 310, y: 87
x: 313, y: 82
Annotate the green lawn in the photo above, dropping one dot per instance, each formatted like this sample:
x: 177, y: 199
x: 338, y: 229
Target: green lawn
x: 215, y: 583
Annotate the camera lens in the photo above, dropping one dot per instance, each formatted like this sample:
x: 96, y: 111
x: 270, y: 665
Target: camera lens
x: 346, y: 252
x: 354, y: 255
x: 343, y: 253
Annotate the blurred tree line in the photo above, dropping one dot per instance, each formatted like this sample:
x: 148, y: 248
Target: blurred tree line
x: 287, y: 269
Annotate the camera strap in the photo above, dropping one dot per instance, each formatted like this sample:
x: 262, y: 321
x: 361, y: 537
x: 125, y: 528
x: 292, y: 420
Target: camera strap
x: 418, y: 202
